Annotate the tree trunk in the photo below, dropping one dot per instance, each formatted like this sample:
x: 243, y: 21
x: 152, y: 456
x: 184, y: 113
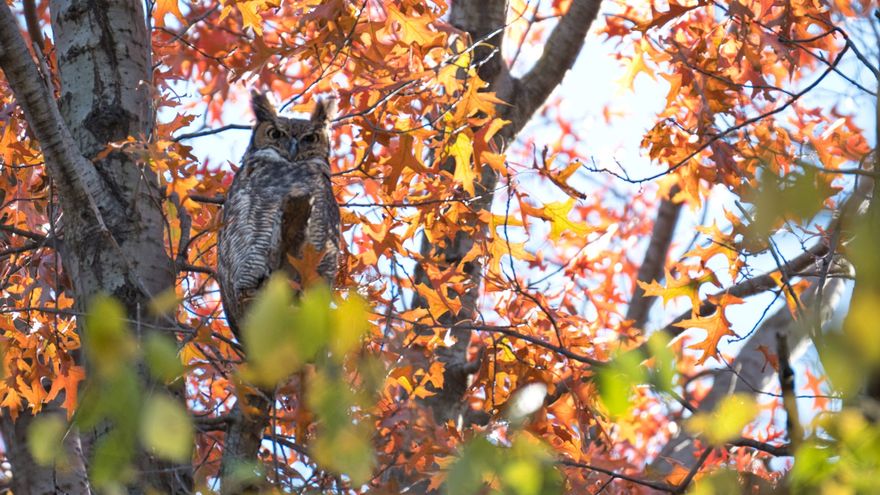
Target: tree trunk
x: 30, y: 478
x: 112, y: 208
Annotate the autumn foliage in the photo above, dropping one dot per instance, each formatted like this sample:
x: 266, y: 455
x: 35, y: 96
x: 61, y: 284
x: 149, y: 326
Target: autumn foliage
x: 760, y: 148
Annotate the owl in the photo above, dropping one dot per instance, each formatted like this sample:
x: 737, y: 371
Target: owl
x: 280, y: 211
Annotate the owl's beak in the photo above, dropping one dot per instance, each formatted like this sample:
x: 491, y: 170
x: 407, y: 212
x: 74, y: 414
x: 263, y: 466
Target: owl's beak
x: 292, y: 147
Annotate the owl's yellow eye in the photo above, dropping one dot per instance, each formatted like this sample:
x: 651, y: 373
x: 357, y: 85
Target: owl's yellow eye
x: 274, y: 133
x: 309, y: 139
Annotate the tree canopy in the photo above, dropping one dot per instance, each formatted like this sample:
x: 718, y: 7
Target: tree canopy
x: 493, y: 327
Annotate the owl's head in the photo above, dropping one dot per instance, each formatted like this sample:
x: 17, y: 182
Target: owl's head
x: 293, y: 139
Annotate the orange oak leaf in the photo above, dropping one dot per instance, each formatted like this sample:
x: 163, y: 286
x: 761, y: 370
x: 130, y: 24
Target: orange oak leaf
x: 716, y: 325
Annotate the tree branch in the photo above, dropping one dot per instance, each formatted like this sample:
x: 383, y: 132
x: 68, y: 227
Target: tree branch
x: 655, y: 259
x: 756, y: 285
x: 74, y: 176
x: 560, y: 52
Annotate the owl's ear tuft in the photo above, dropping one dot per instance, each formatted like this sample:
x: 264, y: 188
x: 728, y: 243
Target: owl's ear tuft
x: 324, y: 111
x: 263, y: 110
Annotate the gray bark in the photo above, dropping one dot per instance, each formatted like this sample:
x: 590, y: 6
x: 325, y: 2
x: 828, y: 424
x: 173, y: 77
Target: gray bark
x: 112, y: 214
x: 31, y: 478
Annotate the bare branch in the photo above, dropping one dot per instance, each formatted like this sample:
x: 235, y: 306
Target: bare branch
x: 786, y: 383
x: 208, y: 132
x: 655, y: 259
x: 756, y: 285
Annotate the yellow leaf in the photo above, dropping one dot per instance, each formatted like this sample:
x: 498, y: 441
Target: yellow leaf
x: 350, y: 324
x: 250, y: 16
x: 268, y: 335
x: 727, y: 421
x: 474, y: 101
x: 636, y: 65
x: 411, y: 29
x: 461, y: 151
x: 166, y: 429
x: 557, y: 212
x: 44, y: 439
x: 684, y: 286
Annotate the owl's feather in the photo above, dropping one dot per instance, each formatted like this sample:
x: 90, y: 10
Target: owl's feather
x: 275, y: 205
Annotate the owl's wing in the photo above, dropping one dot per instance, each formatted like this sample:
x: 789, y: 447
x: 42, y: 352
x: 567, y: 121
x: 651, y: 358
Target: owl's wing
x: 248, y: 246
x: 323, y: 229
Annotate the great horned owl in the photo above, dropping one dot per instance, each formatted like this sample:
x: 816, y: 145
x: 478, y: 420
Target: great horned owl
x: 280, y: 206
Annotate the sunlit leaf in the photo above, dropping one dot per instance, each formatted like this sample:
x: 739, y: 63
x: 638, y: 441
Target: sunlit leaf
x: 727, y: 421
x: 166, y: 428
x: 108, y: 341
x: 44, y: 439
x: 160, y: 353
x: 269, y: 334
x: 350, y: 324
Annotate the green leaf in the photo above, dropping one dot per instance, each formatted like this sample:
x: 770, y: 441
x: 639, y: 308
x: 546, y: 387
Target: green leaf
x: 795, y: 197
x: 111, y: 464
x: 840, y: 360
x: 331, y: 400
x: 44, y: 439
x: 160, y: 353
x: 727, y: 421
x: 268, y: 335
x: 466, y: 475
x: 350, y: 324
x: 524, y: 468
x: 523, y: 476
x: 348, y: 451
x: 721, y: 481
x: 811, y: 465
x: 664, y: 365
x: 617, y: 380
x: 165, y: 302
x: 312, y: 330
x: 166, y: 429
x: 109, y: 344
x: 342, y: 446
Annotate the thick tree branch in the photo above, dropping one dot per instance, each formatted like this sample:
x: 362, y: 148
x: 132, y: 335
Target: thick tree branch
x: 560, y: 52
x: 655, y: 259
x: 486, y: 20
x: 74, y: 176
x: 28, y: 476
x: 756, y: 285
